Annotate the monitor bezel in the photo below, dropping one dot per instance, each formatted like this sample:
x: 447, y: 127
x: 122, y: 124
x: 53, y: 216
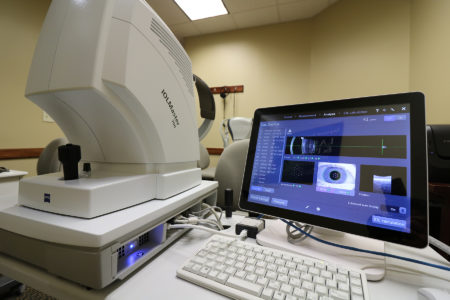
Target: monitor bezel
x: 418, y: 237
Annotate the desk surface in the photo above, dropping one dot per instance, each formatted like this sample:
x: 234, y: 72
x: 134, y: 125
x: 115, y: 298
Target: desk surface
x: 12, y: 173
x: 157, y: 279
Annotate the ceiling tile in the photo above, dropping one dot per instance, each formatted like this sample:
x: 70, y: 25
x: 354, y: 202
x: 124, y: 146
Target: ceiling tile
x: 301, y: 9
x: 185, y: 29
x: 236, y: 6
x: 168, y: 11
x: 216, y: 24
x: 256, y: 17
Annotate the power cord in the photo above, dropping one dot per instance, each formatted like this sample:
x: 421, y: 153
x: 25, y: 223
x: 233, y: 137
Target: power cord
x: 445, y: 268
x: 241, y: 236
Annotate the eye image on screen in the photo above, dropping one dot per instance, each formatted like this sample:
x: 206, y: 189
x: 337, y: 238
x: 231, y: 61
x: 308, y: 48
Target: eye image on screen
x: 336, y: 178
x: 300, y: 145
x: 383, y: 179
x: 301, y: 172
x: 382, y: 184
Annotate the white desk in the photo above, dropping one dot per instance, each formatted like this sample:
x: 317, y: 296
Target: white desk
x: 157, y: 279
x: 9, y: 182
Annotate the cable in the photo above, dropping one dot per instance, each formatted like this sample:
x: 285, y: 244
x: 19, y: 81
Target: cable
x: 366, y: 251
x: 438, y: 244
x: 241, y: 236
x: 296, y: 236
x: 212, y: 209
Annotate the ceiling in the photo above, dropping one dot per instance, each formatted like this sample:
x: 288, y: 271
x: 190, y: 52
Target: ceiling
x: 242, y: 14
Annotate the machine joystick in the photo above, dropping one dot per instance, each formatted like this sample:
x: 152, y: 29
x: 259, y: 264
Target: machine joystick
x: 69, y: 155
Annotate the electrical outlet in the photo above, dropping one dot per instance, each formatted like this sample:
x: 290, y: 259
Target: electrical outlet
x: 47, y: 118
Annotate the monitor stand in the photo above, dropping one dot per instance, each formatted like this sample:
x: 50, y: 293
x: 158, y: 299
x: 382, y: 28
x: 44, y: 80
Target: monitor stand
x: 274, y: 235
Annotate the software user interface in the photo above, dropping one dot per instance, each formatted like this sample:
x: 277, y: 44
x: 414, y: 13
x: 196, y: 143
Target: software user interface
x: 346, y: 164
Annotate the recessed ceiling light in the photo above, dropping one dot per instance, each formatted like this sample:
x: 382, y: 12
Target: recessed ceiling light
x: 201, y: 9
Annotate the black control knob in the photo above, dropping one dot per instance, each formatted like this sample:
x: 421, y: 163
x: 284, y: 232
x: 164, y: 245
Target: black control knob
x: 69, y: 155
x: 228, y: 202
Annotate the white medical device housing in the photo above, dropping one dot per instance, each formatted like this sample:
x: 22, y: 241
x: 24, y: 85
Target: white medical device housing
x: 119, y: 84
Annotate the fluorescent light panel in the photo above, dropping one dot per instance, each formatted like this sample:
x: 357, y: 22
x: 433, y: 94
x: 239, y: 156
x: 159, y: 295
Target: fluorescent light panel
x: 201, y: 9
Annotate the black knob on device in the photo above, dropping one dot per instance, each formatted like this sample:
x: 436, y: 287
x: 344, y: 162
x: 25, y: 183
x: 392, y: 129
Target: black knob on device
x: 69, y: 155
x: 228, y: 202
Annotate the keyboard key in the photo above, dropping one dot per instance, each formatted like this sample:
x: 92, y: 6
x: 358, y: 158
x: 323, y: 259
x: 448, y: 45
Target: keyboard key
x: 273, y: 284
x: 332, y: 269
x: 354, y: 274
x: 230, y: 270
x: 326, y: 274
x: 308, y: 285
x: 262, y: 281
x: 250, y: 253
x: 341, y: 278
x: 271, y: 275
x: 321, y: 290
x: 343, y: 271
x: 249, y: 269
x: 277, y: 295
x: 357, y: 290
x: 297, y: 260
x: 306, y: 277
x: 287, y: 256
x: 222, y: 278
x: 277, y: 255
x: 260, y: 271
x: 294, y: 281
x: 294, y: 273
x: 339, y: 294
x: 300, y: 293
x: 355, y: 281
x: 291, y: 265
x: 260, y: 256
x: 283, y: 278
x: 251, y: 277
x: 308, y: 263
x: 196, y: 268
x: 302, y: 268
x: 282, y: 270
x: 319, y: 280
x: 343, y: 287
x: 240, y: 274
x: 320, y: 265
x: 314, y: 271
x: 331, y: 283
x: 312, y: 296
x: 261, y: 264
x: 242, y: 285
x: 267, y: 293
x: 286, y: 288
x: 199, y: 260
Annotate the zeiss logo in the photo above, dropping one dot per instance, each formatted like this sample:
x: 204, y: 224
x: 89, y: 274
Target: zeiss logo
x: 46, y: 198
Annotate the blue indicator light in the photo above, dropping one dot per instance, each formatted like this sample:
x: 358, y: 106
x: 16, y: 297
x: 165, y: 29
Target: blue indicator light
x: 131, y: 246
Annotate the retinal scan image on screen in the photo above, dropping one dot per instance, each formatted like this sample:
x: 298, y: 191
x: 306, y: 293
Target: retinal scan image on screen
x: 351, y: 165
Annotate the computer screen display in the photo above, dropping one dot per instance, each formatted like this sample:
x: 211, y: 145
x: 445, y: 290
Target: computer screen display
x: 356, y: 165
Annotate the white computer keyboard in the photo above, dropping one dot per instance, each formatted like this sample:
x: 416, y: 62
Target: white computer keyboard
x: 242, y: 270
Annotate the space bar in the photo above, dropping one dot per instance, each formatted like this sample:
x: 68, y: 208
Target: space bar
x: 244, y: 285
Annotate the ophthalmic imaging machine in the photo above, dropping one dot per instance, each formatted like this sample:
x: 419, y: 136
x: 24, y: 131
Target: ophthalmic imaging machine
x: 120, y: 86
